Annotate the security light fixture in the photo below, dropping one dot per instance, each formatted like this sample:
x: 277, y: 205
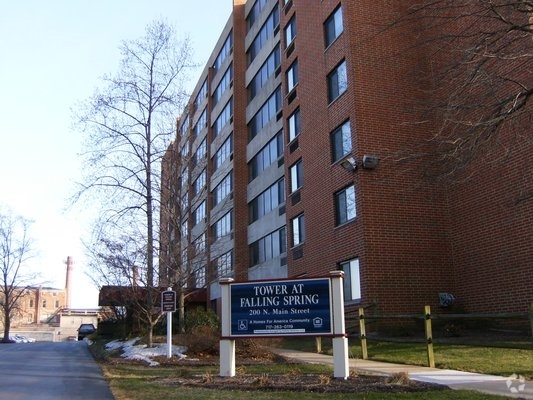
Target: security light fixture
x: 370, y: 162
x: 349, y: 163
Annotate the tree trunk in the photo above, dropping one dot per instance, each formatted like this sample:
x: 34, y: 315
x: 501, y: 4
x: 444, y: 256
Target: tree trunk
x: 7, y: 325
x: 181, y: 311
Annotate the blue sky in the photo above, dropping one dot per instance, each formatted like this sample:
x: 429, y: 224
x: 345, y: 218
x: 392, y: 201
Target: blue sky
x: 52, y: 54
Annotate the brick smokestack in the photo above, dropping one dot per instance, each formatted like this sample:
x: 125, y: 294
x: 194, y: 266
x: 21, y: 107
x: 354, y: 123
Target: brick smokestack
x: 68, y: 284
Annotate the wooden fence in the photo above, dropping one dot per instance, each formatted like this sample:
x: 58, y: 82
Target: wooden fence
x: 427, y: 317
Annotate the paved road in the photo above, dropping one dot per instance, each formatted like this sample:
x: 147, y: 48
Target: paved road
x: 47, y: 370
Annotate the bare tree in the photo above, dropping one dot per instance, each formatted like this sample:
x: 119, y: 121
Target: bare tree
x: 16, y: 249
x: 183, y: 260
x: 115, y: 264
x: 480, y: 78
x: 129, y: 124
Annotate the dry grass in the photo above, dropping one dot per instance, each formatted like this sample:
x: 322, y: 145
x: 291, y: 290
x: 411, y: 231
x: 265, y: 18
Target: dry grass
x: 400, y: 378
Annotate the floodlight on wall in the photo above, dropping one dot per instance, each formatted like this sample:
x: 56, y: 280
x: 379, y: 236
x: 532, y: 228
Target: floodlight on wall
x: 349, y: 163
x: 446, y: 299
x: 370, y: 162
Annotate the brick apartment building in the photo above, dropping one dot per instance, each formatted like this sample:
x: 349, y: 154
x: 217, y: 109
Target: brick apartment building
x: 298, y: 154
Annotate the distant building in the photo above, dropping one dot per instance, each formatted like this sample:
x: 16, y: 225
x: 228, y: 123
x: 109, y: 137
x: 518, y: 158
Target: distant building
x: 280, y: 169
x: 40, y: 305
x: 45, y: 313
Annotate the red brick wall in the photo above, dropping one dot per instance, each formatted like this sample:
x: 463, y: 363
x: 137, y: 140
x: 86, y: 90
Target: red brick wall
x: 240, y: 140
x: 416, y: 235
x: 490, y: 201
x: 399, y: 233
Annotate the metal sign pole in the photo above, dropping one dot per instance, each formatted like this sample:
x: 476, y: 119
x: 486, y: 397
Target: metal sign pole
x: 169, y: 334
x: 168, y: 304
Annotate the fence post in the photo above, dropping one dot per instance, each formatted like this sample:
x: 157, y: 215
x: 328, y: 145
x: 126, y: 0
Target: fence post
x: 362, y: 331
x: 429, y: 336
x: 318, y: 342
x: 530, y: 312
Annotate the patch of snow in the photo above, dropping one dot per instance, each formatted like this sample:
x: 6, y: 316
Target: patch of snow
x: 131, y: 351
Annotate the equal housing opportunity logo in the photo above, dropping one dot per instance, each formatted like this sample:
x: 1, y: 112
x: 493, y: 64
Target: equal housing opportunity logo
x: 516, y: 383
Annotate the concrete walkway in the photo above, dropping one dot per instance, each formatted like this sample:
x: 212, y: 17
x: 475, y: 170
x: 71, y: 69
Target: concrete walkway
x: 491, y: 384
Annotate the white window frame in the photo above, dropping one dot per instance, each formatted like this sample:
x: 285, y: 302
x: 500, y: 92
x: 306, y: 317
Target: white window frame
x: 352, y: 280
x: 298, y: 230
x: 337, y: 81
x: 345, y: 205
x: 296, y: 172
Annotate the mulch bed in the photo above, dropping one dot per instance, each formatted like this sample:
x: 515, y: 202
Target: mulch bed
x: 294, y: 381
x: 301, y: 383
x: 249, y: 354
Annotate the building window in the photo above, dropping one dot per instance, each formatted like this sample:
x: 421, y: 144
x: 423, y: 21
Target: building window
x: 266, y: 156
x: 44, y: 303
x: 202, y: 94
x: 224, y: 52
x: 341, y: 141
x: 266, y: 113
x: 223, y: 226
x: 185, y: 176
x: 294, y: 125
x: 201, y: 152
x: 199, y: 213
x: 290, y: 31
x: 224, y: 265
x: 268, y: 247
x: 297, y: 179
x: 223, y: 152
x: 199, y: 244
x: 184, y: 130
x: 267, y: 201
x: 224, y: 84
x: 223, y: 189
x: 352, y: 280
x: 200, y: 277
x: 266, y: 31
x: 184, y: 152
x: 298, y: 230
x: 292, y: 76
x: 255, y: 12
x: 57, y: 303
x: 337, y: 81
x: 199, y: 183
x: 185, y: 203
x: 224, y: 118
x: 201, y: 124
x: 345, y: 205
x: 267, y: 70
x: 184, y: 229
x: 333, y: 27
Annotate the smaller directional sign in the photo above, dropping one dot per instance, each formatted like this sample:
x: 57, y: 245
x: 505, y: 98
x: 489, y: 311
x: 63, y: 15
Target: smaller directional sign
x: 168, y: 301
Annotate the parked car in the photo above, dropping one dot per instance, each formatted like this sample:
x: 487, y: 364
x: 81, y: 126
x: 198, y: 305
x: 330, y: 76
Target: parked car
x: 23, y: 339
x: 85, y: 330
x: 19, y: 339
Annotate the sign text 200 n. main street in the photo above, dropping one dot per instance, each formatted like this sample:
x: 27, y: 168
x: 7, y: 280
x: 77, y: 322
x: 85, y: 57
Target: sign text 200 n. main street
x: 270, y: 308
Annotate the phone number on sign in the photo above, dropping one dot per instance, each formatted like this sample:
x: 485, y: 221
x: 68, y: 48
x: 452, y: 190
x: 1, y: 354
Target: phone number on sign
x: 279, y: 326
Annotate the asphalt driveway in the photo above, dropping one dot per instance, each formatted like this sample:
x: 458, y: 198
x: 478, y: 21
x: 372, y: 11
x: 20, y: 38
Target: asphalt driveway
x: 46, y: 370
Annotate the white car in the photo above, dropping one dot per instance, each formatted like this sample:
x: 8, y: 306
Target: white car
x: 22, y: 339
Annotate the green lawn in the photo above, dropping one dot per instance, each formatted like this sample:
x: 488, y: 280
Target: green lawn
x: 502, y: 358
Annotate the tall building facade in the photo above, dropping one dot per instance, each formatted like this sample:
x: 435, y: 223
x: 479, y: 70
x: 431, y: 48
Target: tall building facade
x: 286, y: 164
